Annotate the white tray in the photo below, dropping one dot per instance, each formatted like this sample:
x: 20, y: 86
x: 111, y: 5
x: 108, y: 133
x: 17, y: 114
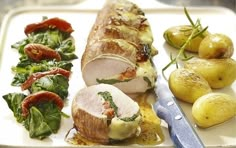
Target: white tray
x: 14, y: 134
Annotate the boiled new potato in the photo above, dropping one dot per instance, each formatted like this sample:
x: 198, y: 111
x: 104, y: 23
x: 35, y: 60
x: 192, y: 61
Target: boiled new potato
x: 216, y: 46
x: 176, y: 36
x: 188, y: 86
x: 218, y: 72
x: 213, y: 108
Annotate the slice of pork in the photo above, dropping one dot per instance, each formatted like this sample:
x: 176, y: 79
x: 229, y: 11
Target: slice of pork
x: 93, y: 124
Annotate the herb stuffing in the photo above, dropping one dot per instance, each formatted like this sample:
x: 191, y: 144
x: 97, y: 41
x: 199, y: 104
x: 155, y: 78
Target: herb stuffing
x: 111, y: 81
x: 43, y: 69
x: 108, y: 97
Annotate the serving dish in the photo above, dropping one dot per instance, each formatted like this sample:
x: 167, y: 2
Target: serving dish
x: 14, y: 135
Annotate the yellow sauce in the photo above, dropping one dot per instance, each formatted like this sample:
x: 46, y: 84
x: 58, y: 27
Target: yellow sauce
x: 151, y: 133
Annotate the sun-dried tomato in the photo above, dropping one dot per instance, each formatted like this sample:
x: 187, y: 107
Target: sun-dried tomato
x: 128, y: 74
x: 143, y: 53
x: 35, y: 76
x: 38, y: 52
x: 109, y: 112
x: 39, y: 97
x: 49, y: 23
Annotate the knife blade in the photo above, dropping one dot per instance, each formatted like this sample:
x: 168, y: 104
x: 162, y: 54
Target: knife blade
x: 167, y: 108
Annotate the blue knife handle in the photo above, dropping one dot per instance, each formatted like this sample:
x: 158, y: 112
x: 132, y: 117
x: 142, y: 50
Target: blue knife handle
x: 167, y: 108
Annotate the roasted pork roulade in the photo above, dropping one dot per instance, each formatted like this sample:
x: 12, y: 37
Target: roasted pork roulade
x: 119, y: 49
x: 103, y: 112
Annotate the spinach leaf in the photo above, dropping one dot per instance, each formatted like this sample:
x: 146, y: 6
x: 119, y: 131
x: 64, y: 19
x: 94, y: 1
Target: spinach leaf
x: 129, y: 119
x: 26, y: 68
x: 108, y: 97
x: 14, y: 103
x: 111, y: 81
x: 66, y: 50
x: 51, y: 114
x: 43, y: 120
x: 67, y: 46
x: 19, y: 78
x: 54, y: 83
x: 67, y: 56
x: 20, y: 45
x: 61, y: 64
x: 148, y: 81
x: 53, y: 38
x: 36, y: 124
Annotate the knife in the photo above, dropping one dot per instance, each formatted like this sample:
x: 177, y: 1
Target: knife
x: 167, y: 108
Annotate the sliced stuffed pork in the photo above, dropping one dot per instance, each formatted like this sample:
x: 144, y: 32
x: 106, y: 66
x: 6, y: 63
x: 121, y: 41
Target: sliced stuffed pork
x: 103, y: 112
x: 119, y: 49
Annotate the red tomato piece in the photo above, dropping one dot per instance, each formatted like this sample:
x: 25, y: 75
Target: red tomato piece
x: 49, y: 23
x: 38, y: 52
x: 32, y: 78
x: 39, y: 97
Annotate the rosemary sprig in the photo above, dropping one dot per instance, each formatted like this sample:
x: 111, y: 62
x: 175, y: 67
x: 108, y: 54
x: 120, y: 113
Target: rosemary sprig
x: 182, y: 56
x: 188, y: 16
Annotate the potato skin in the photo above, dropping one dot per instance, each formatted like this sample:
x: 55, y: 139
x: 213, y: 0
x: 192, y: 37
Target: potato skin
x: 213, y: 108
x: 216, y: 46
x: 218, y: 72
x: 188, y: 86
x: 176, y: 36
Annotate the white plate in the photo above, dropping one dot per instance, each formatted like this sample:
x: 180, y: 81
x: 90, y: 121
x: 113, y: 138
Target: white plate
x: 14, y: 134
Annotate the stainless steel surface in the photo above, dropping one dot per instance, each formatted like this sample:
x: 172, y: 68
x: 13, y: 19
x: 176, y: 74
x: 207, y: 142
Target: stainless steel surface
x: 231, y: 4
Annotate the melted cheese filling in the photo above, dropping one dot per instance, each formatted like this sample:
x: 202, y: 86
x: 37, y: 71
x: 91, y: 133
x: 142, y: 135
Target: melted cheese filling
x: 119, y: 129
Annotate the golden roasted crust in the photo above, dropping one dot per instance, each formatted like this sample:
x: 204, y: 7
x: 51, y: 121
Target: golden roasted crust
x: 91, y: 127
x: 115, y: 47
x: 114, y: 11
x: 122, y: 20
